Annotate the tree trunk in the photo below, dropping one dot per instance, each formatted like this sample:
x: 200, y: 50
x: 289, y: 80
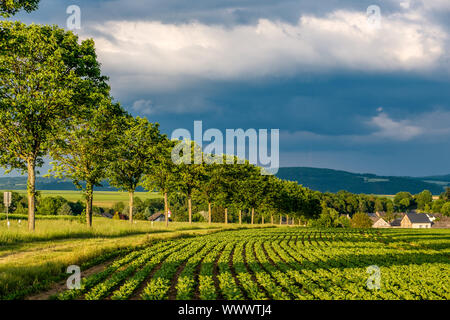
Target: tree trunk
x: 31, y: 192
x: 253, y: 214
x: 190, y: 208
x: 262, y: 217
x: 287, y: 220
x: 131, y: 206
x: 271, y: 219
x: 240, y: 216
x: 166, y: 209
x: 281, y: 219
x: 226, y: 215
x: 89, y: 196
x: 209, y: 212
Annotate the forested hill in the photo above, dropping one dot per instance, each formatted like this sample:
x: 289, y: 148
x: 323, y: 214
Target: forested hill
x: 314, y: 178
x: 335, y: 180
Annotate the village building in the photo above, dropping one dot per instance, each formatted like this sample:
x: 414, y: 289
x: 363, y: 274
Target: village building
x: 415, y: 220
x: 159, y: 216
x: 381, y: 223
x: 396, y: 223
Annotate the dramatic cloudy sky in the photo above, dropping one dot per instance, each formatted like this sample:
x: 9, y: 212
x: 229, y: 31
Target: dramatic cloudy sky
x: 344, y: 93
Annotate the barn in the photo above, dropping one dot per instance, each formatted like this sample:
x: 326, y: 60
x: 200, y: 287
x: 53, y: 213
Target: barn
x: 415, y: 220
x: 381, y: 223
x: 159, y: 216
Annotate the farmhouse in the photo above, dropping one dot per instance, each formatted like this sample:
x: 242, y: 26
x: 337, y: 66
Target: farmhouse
x: 415, y: 220
x: 381, y: 223
x: 397, y: 222
x: 159, y: 216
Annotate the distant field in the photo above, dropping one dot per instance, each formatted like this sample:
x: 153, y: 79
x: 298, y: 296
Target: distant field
x: 391, y: 196
x: 104, y: 199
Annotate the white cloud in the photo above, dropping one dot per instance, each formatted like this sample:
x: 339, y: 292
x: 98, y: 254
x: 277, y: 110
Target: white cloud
x: 144, y: 106
x: 189, y: 105
x: 173, y: 55
x: 430, y: 126
x: 394, y: 130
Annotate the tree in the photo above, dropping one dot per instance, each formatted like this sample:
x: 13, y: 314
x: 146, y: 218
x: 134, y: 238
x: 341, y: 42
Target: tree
x: 210, y: 185
x: 11, y: 7
x: 379, y: 205
x: 84, y: 151
x: 163, y: 175
x: 50, y: 205
x: 446, y: 195
x: 46, y: 76
x: 361, y: 220
x: 249, y: 188
x: 135, y: 154
x: 423, y: 199
x: 445, y: 210
x: 437, y: 206
x: 190, y: 171
x: 403, y: 201
x: 389, y: 207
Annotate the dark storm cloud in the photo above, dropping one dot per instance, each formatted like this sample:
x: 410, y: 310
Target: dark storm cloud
x: 388, y: 118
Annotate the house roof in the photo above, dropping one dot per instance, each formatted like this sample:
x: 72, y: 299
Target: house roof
x: 418, y: 217
x: 396, y: 222
x: 155, y: 216
x: 381, y: 221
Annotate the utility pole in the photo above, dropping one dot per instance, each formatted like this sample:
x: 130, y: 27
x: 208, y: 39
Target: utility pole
x: 7, y: 202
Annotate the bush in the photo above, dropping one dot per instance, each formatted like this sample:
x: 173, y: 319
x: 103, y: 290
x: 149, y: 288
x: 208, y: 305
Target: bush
x: 118, y: 207
x: 437, y: 206
x: 446, y: 209
x: 361, y: 220
x: 21, y: 209
x: 50, y: 205
x: 65, y: 210
x: 343, y: 222
x: 76, y: 207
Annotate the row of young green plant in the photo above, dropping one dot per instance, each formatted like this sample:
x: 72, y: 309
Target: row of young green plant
x: 271, y: 264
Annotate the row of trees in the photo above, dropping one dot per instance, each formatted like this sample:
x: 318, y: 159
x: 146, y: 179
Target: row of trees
x: 54, y: 102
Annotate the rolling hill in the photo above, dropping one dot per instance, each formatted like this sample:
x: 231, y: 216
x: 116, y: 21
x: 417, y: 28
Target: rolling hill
x: 335, y: 180
x: 314, y: 178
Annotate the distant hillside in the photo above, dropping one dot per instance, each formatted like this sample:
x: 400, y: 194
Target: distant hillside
x: 314, y: 178
x: 335, y: 180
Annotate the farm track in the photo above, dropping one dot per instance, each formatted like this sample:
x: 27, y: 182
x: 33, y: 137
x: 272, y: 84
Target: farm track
x: 279, y: 263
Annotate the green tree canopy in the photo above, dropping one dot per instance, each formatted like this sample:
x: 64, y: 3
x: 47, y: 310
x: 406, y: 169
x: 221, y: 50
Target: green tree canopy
x: 134, y: 154
x: 163, y: 176
x: 11, y: 7
x: 46, y: 77
x: 361, y: 220
x: 84, y: 151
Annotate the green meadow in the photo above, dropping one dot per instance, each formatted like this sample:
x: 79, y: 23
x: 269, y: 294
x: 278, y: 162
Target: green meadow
x: 105, y: 199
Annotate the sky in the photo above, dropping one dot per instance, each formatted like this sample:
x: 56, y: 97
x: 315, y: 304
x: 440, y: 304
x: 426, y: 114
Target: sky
x: 346, y: 89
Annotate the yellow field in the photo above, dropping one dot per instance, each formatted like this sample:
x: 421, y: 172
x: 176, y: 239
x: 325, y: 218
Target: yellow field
x: 105, y: 199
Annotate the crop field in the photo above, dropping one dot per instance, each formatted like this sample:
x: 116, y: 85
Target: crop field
x: 283, y: 263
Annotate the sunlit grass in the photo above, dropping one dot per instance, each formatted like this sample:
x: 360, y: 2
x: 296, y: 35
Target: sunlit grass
x: 29, y: 261
x: 101, y: 198
x: 70, y: 229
